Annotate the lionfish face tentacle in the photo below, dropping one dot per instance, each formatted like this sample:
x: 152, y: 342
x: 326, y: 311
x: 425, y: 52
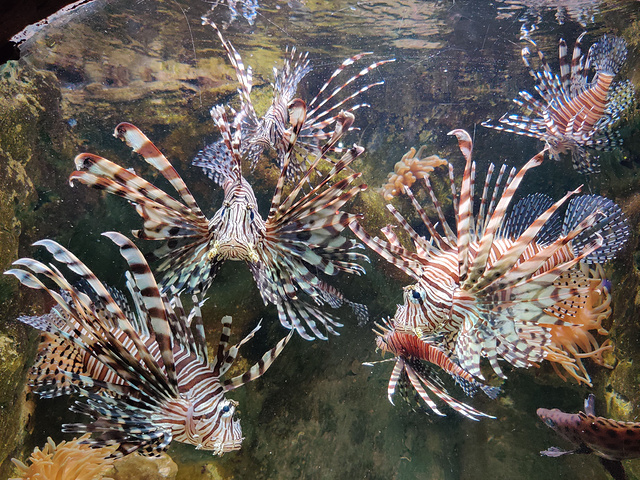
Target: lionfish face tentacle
x: 139, y: 373
x: 574, y: 114
x: 524, y: 283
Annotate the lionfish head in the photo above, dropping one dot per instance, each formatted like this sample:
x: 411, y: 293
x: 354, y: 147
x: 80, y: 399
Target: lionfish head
x: 217, y: 429
x: 237, y: 225
x: 412, y: 314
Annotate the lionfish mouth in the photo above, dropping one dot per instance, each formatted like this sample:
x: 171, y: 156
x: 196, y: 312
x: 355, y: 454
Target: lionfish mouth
x: 230, y: 444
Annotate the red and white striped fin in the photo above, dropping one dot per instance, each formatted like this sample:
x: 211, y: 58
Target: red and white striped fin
x: 509, y: 259
x: 451, y: 237
x: 393, y: 379
x: 417, y: 380
x: 464, y: 212
x: 480, y: 219
x: 478, y: 266
x: 441, y: 242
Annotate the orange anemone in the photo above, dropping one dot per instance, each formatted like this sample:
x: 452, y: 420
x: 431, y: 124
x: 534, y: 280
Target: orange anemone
x: 572, y: 343
x: 74, y: 460
x: 408, y: 170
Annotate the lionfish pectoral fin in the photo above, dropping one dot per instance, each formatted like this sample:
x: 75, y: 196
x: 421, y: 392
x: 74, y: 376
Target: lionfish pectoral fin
x: 590, y: 404
x: 393, y: 379
x: 556, y: 452
x: 615, y: 468
x: 491, y: 392
x: 259, y: 368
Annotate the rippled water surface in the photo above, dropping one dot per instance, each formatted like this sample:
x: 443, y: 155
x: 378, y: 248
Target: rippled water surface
x: 318, y: 412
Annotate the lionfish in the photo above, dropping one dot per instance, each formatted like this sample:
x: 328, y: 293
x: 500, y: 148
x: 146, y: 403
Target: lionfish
x: 299, y: 240
x: 411, y: 352
x: 496, y: 287
x: 574, y: 114
x: 144, y: 374
x: 270, y: 131
x: 611, y: 440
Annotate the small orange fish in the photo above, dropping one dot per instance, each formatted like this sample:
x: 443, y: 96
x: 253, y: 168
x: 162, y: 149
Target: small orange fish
x: 611, y: 440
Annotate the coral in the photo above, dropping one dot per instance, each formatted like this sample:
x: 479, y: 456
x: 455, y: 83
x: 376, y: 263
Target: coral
x: 72, y: 460
x: 410, y: 168
x: 572, y: 343
x: 145, y: 468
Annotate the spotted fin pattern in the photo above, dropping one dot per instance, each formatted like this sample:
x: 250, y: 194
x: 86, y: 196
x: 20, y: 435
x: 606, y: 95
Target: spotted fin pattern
x: 496, y: 287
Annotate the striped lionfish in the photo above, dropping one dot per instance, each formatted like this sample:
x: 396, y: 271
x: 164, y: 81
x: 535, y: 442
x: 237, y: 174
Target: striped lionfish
x: 411, y: 352
x: 144, y: 375
x: 611, y: 440
x: 270, y: 131
x: 496, y: 288
x: 300, y: 238
x: 574, y: 114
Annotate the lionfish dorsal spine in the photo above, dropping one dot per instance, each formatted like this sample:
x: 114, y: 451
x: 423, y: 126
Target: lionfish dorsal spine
x: 260, y: 367
x: 152, y: 300
x: 297, y: 117
x: 503, y: 264
x: 197, y: 327
x: 450, y: 236
x: 464, y: 211
x: 231, y: 353
x: 479, y: 263
x: 140, y: 144
x: 231, y: 140
x: 223, y: 343
x: 437, y: 238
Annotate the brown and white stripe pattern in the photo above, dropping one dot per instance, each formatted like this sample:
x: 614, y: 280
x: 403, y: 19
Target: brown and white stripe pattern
x: 146, y: 384
x: 494, y: 289
x: 574, y: 114
x: 300, y: 241
x: 270, y: 131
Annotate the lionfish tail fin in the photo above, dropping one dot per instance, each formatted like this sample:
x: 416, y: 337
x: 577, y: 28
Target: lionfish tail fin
x: 610, y: 224
x: 608, y: 54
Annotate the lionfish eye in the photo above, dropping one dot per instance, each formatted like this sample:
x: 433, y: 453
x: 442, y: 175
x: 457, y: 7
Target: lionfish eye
x: 417, y: 296
x: 226, y: 410
x: 550, y: 423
